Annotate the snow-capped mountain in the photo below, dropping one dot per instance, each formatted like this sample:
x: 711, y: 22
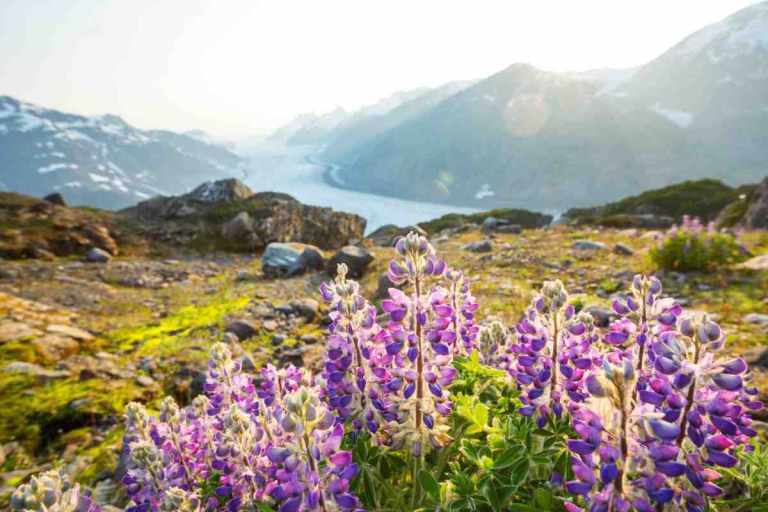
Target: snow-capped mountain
x: 100, y: 161
x: 544, y: 140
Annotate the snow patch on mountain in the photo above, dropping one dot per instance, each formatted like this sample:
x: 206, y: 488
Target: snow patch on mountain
x: 678, y: 117
x: 56, y: 167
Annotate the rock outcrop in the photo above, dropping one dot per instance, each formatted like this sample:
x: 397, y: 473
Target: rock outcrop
x: 756, y: 216
x: 44, y: 228
x: 227, y: 215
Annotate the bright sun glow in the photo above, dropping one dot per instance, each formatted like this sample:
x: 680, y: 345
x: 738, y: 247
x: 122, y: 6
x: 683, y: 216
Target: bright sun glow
x: 244, y: 66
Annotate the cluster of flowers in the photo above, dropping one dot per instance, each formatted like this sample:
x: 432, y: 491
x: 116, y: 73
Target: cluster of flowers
x: 276, y: 442
x: 240, y: 445
x: 655, y: 408
x: 390, y: 376
x: 51, y: 492
x: 692, y: 226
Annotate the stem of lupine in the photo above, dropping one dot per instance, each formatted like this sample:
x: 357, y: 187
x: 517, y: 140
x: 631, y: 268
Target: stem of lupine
x: 312, y: 466
x: 689, y: 399
x: 360, y: 365
x: 554, y: 350
x: 456, y: 321
x: 419, y: 357
x: 622, y: 442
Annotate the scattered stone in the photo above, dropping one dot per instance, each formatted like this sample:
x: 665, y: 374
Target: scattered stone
x: 244, y: 276
x: 652, y: 235
x: 277, y: 339
x: 286, y: 309
x: 493, y: 225
x: 623, y: 250
x: 386, y: 235
x: 147, y: 364
x: 70, y: 331
x: 756, y: 263
x: 230, y: 338
x: 10, y: 331
x: 309, y: 339
x: 629, y: 233
x: 55, y: 348
x: 288, y: 259
x: 145, y: 381
x: 603, y: 317
x: 294, y: 356
x: 9, y: 274
x: 382, y: 289
x: 510, y: 229
x: 356, y: 258
x: 588, y: 245
x: 34, y: 370
x: 270, y: 325
x: 96, y: 255
x: 247, y: 363
x: 55, y: 198
x: 756, y: 318
x: 489, y: 225
x: 306, y: 308
x: 479, y: 246
x: 243, y: 329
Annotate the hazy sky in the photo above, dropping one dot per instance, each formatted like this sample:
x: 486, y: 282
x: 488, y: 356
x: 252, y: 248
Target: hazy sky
x: 236, y: 67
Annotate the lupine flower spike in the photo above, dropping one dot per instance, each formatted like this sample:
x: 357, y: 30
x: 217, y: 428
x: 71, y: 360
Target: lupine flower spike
x: 419, y: 337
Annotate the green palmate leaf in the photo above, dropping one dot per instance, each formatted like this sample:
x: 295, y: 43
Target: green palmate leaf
x: 429, y: 484
x: 508, y: 458
x: 543, y: 498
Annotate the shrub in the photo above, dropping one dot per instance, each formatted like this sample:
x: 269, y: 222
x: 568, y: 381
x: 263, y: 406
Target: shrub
x: 421, y: 409
x: 693, y: 247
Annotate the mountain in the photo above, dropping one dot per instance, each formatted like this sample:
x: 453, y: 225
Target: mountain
x: 310, y: 128
x: 340, y: 129
x: 369, y: 123
x: 545, y: 140
x: 100, y: 161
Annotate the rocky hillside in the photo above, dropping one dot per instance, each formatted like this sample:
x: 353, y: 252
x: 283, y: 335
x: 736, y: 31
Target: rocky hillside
x: 541, y: 140
x: 101, y: 161
x: 220, y: 216
x: 228, y: 215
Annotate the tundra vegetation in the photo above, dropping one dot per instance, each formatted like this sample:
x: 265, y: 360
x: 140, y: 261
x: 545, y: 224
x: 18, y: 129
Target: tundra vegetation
x: 419, y: 403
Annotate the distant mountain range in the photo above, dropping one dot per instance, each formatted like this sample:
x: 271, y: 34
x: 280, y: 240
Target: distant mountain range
x: 544, y: 140
x: 102, y: 161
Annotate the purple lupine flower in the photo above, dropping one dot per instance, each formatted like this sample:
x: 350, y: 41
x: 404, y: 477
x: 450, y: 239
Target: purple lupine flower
x: 663, y: 407
x: 424, y: 327
x: 354, y: 378
x: 50, y: 491
x: 277, y: 444
x: 493, y: 341
x: 460, y: 309
x: 311, y: 471
x: 552, y: 354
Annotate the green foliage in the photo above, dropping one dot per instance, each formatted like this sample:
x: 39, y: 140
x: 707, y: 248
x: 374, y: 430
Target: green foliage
x: 524, y: 218
x: 499, y: 460
x: 170, y: 334
x: 702, y: 198
x: 746, y: 484
x: 690, y: 252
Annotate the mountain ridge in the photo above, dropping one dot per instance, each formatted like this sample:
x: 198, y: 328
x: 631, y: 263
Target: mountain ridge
x: 100, y: 160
